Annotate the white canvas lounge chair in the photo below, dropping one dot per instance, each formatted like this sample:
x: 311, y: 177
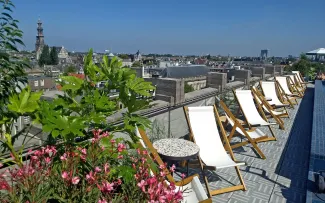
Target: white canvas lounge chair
x: 283, y: 82
x: 284, y: 97
x: 270, y: 90
x: 194, y: 191
x: 299, y: 76
x: 294, y: 85
x: 252, y: 135
x: 245, y: 99
x: 268, y: 108
x: 213, y: 149
x: 300, y: 83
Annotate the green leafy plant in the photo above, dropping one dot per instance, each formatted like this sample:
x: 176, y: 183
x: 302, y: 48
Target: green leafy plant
x: 12, y: 74
x: 188, y: 88
x: 83, y: 106
x: 23, y: 104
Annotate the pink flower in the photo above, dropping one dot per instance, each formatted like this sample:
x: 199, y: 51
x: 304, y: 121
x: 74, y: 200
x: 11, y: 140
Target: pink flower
x: 183, y: 175
x: 106, y: 168
x: 97, y: 169
x: 64, y: 157
x: 53, y: 150
x: 96, y: 133
x: 90, y: 177
x: 145, y: 152
x: 84, y: 151
x: 65, y: 175
x: 162, y: 173
x: 1, y: 165
x: 113, y: 141
x: 142, y: 185
x: 163, y: 166
x: 102, y: 201
x: 34, y: 158
x: 139, y: 151
x: 120, y: 147
x: 120, y: 156
x: 105, y: 134
x: 47, y: 160
x: 83, y: 157
x: 107, y: 187
x: 119, y: 182
x: 75, y: 180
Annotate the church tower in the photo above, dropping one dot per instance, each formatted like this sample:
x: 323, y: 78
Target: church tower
x: 39, y: 39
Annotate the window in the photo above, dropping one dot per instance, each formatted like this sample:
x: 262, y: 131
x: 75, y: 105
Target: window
x: 36, y: 83
x: 42, y: 82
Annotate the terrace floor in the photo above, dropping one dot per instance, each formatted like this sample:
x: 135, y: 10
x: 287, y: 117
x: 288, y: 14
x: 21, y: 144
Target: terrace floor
x: 282, y: 176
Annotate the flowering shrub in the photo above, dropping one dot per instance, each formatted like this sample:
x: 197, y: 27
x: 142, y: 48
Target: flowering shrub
x: 101, y: 170
x: 29, y: 182
x: 153, y: 186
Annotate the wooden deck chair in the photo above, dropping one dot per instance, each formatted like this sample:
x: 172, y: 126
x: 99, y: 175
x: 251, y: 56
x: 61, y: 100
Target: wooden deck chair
x: 300, y: 78
x: 202, y: 123
x: 283, y: 113
x: 194, y: 191
x: 253, y: 118
x: 294, y: 85
x: 284, y: 97
x: 300, y: 84
x: 271, y: 90
x: 283, y: 81
x: 252, y: 135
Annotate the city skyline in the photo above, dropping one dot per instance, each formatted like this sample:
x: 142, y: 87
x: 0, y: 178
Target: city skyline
x: 236, y: 28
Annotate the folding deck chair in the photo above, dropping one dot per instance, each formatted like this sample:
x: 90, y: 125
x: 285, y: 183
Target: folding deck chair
x: 283, y: 82
x: 213, y: 149
x: 294, y: 85
x: 272, y: 90
x: 301, y: 84
x: 267, y: 107
x: 245, y: 99
x: 194, y: 191
x: 252, y: 135
x: 300, y: 78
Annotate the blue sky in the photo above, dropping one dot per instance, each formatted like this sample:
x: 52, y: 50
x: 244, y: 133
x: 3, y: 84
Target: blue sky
x: 236, y: 27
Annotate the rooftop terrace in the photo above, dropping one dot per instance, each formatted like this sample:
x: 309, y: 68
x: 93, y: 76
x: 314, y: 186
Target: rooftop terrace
x: 283, y: 175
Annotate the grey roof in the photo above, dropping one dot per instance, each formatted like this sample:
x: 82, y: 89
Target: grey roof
x: 185, y: 71
x: 35, y: 77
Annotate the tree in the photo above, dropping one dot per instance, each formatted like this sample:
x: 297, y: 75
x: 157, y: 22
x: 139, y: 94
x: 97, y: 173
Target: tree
x: 45, y: 58
x: 54, y: 56
x: 136, y: 64
x: 70, y: 69
x: 12, y: 73
x: 83, y: 106
x: 188, y: 88
x: 124, y: 56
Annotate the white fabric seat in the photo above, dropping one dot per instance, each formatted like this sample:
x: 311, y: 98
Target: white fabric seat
x: 299, y: 76
x: 276, y: 113
x: 269, y: 90
x: 246, y: 102
x: 257, y: 133
x: 206, y: 135
x: 284, y: 84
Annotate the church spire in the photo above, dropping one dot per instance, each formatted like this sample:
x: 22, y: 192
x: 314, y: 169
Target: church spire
x: 40, y: 37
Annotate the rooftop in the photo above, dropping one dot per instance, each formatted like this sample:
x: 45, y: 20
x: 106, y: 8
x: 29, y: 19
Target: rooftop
x: 283, y: 175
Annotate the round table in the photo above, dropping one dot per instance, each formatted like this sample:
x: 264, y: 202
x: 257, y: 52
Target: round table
x: 173, y: 149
